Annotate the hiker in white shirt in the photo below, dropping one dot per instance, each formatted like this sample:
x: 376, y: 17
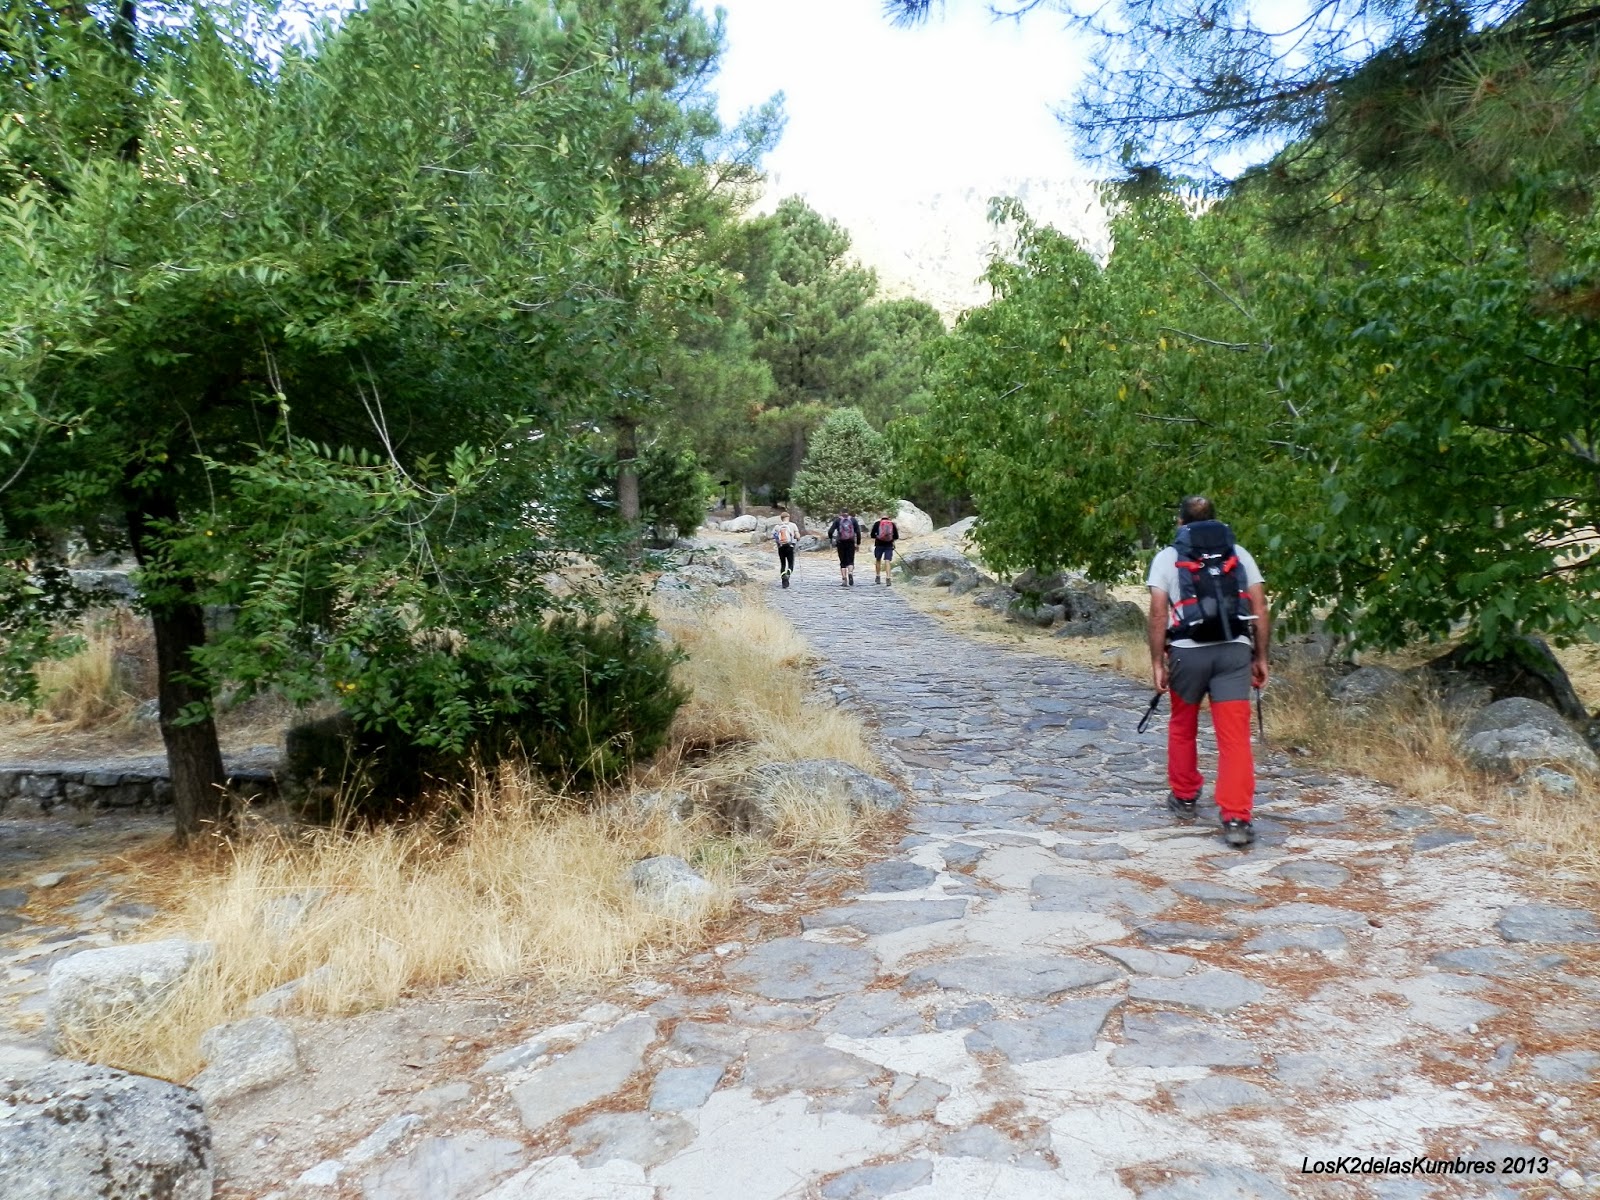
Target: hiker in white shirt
x: 785, y: 534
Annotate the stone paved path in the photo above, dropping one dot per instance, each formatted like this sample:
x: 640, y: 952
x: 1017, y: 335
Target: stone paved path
x: 1053, y: 991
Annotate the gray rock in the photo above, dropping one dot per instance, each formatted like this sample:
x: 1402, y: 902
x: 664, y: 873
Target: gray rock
x: 886, y: 916
x: 667, y: 884
x: 871, y: 1014
x: 1092, y: 851
x: 1321, y: 939
x: 12, y: 899
x: 1513, y: 735
x: 793, y: 969
x: 885, y: 1179
x: 913, y: 1097
x: 94, y: 986
x: 1433, y: 839
x: 282, y: 998
x: 681, y: 1089
x: 590, y: 1070
x: 1218, y: 1093
x: 1011, y: 976
x: 912, y: 521
x: 754, y: 807
x: 987, y: 1142
x: 1149, y: 962
x: 964, y: 1016
x: 931, y: 560
x: 245, y: 1056
x: 1176, y: 933
x: 1301, y: 914
x: 381, y: 1140
x: 1541, y: 923
x: 744, y: 524
x: 445, y: 1168
x: 1214, y: 893
x: 1070, y: 1027
x: 648, y: 1139
x: 1091, y: 893
x: 669, y: 805
x: 1556, y: 783
x: 798, y: 1060
x: 897, y: 876
x: 1210, y: 991
x: 1168, y: 1039
x: 1216, y: 1181
x: 1371, y: 687
x: 1567, y: 1066
x: 1499, y: 961
x: 1310, y: 872
x: 73, y: 1131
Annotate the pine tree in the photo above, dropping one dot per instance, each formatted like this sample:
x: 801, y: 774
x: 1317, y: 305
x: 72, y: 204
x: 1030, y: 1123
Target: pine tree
x: 847, y: 467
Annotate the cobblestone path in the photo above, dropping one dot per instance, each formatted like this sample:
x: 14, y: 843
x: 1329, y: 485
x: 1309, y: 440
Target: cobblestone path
x: 1054, y: 991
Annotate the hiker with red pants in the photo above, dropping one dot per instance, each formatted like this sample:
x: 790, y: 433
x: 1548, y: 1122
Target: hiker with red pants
x: 1208, y: 637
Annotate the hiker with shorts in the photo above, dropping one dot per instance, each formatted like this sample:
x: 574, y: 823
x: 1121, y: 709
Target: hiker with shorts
x: 1208, y: 637
x: 845, y: 534
x: 785, y: 534
x: 885, y: 533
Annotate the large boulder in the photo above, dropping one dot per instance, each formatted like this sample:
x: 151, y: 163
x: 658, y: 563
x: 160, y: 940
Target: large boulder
x: 1511, y: 736
x: 913, y: 522
x: 755, y: 805
x: 744, y: 524
x: 960, y: 531
x: 1371, y: 687
x: 1091, y: 615
x: 245, y: 1056
x: 1527, y: 669
x: 668, y: 885
x: 74, y: 1131
x: 926, y: 561
x: 95, y: 986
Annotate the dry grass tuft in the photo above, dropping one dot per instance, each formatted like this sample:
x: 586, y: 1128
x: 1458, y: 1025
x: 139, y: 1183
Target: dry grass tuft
x: 519, y: 884
x: 101, y: 683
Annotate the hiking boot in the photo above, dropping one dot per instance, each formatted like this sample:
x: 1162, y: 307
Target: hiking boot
x: 1179, y: 807
x: 876, y: 581
x: 1238, y: 833
x: 852, y: 581
x: 786, y: 581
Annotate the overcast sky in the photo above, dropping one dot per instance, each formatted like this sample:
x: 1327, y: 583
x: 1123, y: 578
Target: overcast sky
x: 878, y: 112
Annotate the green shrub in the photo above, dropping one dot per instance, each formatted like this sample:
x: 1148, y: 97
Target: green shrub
x: 673, y: 490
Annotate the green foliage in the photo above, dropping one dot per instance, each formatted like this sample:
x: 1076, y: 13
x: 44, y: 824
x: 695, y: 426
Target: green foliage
x: 673, y: 489
x: 848, y: 467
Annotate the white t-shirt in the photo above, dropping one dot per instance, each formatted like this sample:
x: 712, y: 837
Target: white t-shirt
x: 1164, y: 575
x: 788, y: 527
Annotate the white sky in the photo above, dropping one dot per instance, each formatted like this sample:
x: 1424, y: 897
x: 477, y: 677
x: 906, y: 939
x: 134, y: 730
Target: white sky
x: 878, y: 113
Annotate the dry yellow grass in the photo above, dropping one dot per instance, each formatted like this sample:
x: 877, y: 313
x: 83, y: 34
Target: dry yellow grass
x: 520, y: 884
x: 94, y: 686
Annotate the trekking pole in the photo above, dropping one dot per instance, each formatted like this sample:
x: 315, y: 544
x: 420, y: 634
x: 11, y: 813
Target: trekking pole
x: 1261, y: 724
x: 1155, y: 703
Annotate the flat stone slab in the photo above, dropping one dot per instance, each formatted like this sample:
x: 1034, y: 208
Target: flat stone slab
x: 1498, y: 961
x: 1210, y: 991
x: 1435, y: 838
x: 1092, y: 851
x: 1215, y: 893
x: 590, y: 1070
x: 1071, y: 1027
x: 897, y: 876
x: 647, y: 1139
x: 799, y: 1060
x: 1175, y: 933
x: 885, y: 1179
x: 1320, y: 939
x: 1149, y: 962
x: 681, y: 1089
x: 886, y: 916
x: 1170, y: 1039
x: 1539, y: 923
x: 1096, y: 894
x: 1016, y: 977
x: 1218, y: 1093
x: 444, y: 1168
x: 1567, y: 1066
x: 1311, y: 872
x: 872, y: 1014
x: 1301, y: 914
x: 794, y: 969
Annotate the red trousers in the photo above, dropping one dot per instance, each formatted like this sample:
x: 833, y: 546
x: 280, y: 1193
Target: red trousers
x: 1236, y: 770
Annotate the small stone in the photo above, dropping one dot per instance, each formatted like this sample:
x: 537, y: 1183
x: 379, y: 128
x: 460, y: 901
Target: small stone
x: 444, y: 1168
x: 1174, y: 933
x: 1149, y: 962
x: 1214, y: 893
x: 897, y: 876
x: 1092, y: 852
x: 792, y: 969
x: 245, y: 1056
x: 1310, y: 872
x: 381, y: 1139
x: 49, y: 879
x: 1210, y: 991
x: 1499, y: 961
x: 1435, y: 838
x: 669, y: 885
x: 1015, y: 977
x: 1541, y: 923
x: 680, y: 1089
x: 1570, y: 1180
x: 885, y: 1179
x: 912, y: 1097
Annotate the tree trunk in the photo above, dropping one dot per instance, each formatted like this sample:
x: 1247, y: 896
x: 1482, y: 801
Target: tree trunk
x: 194, y: 756
x: 628, y: 475
x: 797, y: 449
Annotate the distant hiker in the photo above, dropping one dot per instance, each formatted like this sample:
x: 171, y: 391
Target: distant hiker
x: 885, y: 533
x: 845, y: 534
x: 1208, y: 637
x: 785, y: 533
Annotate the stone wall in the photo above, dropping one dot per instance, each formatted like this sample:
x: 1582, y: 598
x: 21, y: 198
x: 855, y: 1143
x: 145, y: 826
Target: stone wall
x: 40, y: 788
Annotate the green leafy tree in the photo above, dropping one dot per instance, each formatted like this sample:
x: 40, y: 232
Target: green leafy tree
x: 673, y: 489
x: 847, y: 467
x: 399, y: 241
